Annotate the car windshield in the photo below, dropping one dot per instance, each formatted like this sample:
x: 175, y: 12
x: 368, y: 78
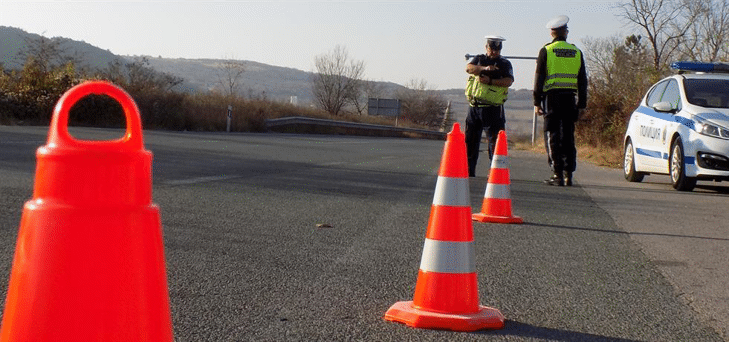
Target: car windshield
x: 709, y: 93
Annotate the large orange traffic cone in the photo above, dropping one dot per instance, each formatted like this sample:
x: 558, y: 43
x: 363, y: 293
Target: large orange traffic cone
x: 446, y: 292
x: 89, y: 262
x: 496, y: 205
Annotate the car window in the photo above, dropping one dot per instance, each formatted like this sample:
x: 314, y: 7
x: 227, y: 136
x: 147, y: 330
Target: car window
x: 709, y: 93
x: 655, y: 94
x: 672, y: 95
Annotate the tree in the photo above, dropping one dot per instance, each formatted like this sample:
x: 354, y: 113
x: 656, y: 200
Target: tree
x: 664, y: 22
x: 706, y: 39
x: 421, y: 104
x: 46, y: 53
x: 620, y: 73
x: 137, y: 76
x: 48, y: 71
x: 368, y: 89
x: 230, y: 73
x: 337, y: 81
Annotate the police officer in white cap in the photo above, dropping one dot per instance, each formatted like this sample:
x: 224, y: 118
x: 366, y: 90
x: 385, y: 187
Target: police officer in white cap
x: 490, y: 78
x: 560, y: 76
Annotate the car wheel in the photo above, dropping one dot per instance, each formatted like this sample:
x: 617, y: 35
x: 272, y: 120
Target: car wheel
x: 629, y: 164
x: 677, y: 168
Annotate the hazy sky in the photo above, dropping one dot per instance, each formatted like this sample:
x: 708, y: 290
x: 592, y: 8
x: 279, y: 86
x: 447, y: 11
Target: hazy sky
x: 398, y: 40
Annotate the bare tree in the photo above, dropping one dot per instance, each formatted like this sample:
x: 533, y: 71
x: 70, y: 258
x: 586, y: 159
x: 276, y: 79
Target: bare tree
x: 368, y: 89
x: 707, y: 39
x: 421, y: 104
x: 46, y: 53
x: 229, y: 76
x: 600, y: 59
x: 141, y: 77
x: 664, y: 23
x: 620, y: 71
x: 337, y: 81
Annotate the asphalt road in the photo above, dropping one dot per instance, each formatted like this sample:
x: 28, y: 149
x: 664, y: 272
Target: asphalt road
x: 604, y: 260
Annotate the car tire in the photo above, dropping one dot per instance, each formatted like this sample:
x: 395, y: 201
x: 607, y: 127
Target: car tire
x: 677, y: 168
x: 629, y: 164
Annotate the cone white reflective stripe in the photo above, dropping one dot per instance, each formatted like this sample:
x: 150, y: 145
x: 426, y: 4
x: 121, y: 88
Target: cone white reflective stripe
x: 498, y: 191
x: 452, y: 192
x: 500, y: 162
x: 448, y: 257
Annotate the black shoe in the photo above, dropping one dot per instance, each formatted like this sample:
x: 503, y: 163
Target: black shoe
x: 568, y: 179
x: 556, y: 179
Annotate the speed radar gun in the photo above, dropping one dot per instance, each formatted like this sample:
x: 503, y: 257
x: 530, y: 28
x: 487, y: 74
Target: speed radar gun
x: 446, y: 292
x: 89, y: 260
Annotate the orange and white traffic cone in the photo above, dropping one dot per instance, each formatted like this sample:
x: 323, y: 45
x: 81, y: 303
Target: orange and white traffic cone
x: 446, y: 292
x: 89, y: 263
x: 497, y: 199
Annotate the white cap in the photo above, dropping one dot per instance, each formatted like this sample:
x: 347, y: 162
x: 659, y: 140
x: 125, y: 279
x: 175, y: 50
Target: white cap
x: 558, y: 22
x: 495, y: 38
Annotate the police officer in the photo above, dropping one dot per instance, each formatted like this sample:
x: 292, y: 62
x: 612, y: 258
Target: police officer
x: 487, y: 89
x: 560, y: 75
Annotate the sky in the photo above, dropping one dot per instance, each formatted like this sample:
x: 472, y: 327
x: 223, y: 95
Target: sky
x: 398, y: 41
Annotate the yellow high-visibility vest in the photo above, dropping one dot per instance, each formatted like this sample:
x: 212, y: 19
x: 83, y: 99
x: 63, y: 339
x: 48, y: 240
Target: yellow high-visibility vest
x: 563, y: 65
x: 479, y: 94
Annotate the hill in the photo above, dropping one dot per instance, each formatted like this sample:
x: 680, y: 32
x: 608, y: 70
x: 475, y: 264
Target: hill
x: 258, y: 81
x: 199, y: 75
x: 13, y: 41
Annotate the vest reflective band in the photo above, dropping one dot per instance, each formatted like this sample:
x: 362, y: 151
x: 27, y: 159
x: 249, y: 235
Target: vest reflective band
x: 448, y: 257
x: 563, y: 65
x: 452, y: 192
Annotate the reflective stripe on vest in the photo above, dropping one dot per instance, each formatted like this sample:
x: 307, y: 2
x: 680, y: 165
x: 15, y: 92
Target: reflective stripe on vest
x: 563, y: 65
x: 448, y: 257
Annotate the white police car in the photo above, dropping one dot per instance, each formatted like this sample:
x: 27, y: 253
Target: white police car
x: 681, y: 127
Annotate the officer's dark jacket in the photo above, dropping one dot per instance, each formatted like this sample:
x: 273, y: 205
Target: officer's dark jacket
x: 505, y: 69
x: 541, y: 74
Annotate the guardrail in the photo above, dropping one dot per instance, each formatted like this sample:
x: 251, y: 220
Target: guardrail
x: 299, y: 124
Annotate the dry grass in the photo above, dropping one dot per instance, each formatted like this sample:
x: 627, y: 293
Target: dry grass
x: 600, y: 156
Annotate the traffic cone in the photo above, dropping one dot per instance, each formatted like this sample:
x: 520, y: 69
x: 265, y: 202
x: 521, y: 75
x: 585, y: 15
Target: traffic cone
x: 497, y: 199
x: 446, y: 292
x: 89, y: 262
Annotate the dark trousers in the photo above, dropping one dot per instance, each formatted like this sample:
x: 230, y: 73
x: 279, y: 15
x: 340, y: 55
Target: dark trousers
x: 560, y: 115
x: 490, y: 119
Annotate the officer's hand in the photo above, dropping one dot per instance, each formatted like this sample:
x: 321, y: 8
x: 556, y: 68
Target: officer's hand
x: 538, y: 110
x: 491, y: 68
x: 484, y: 79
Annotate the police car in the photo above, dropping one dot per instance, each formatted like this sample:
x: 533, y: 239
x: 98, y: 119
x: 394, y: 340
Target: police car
x: 681, y: 127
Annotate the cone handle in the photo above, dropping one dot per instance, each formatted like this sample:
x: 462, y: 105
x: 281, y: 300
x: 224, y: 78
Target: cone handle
x: 58, y: 131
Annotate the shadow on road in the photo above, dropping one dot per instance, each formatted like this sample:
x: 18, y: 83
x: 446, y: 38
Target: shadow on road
x: 514, y: 328
x: 624, y: 232
x: 665, y: 188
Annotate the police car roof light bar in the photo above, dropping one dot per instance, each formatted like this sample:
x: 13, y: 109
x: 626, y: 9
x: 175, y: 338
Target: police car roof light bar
x: 700, y: 67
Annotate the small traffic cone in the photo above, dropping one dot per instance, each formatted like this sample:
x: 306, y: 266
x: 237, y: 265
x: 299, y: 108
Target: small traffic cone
x: 446, y: 292
x: 497, y: 199
x: 89, y: 262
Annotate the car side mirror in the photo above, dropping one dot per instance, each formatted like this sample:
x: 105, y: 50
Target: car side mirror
x: 664, y: 107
